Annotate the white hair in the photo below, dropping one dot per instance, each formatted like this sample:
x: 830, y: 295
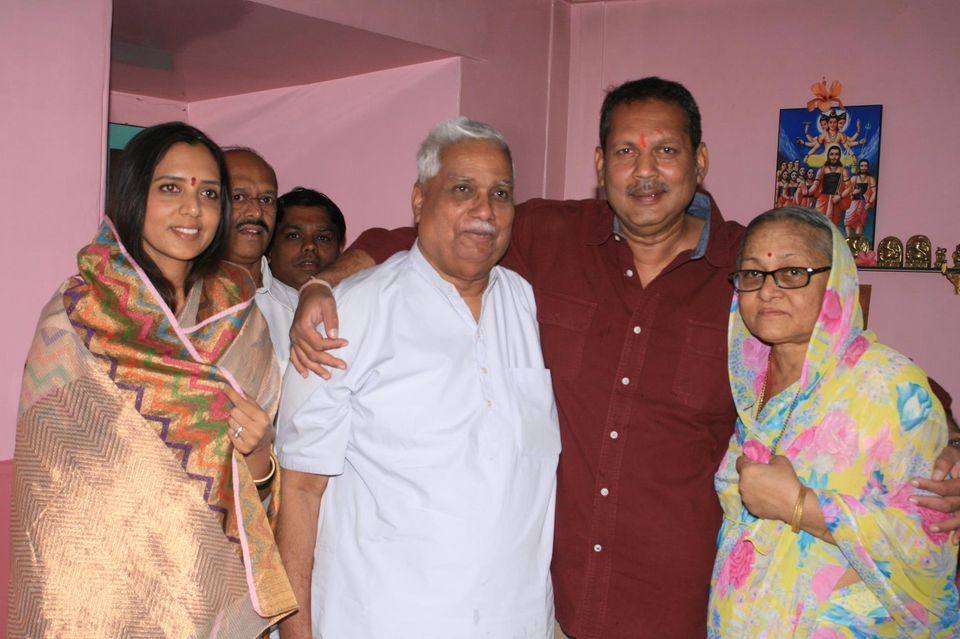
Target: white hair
x: 452, y: 131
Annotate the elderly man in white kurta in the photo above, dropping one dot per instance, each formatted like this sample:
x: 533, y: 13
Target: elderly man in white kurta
x: 440, y: 440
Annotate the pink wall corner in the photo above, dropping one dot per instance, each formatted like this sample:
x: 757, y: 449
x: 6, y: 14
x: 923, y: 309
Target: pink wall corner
x: 555, y: 150
x: 459, y: 26
x: 505, y: 69
x: 587, y: 86
x: 54, y: 72
x: 744, y: 60
x: 508, y: 88
x: 143, y: 110
x: 354, y: 139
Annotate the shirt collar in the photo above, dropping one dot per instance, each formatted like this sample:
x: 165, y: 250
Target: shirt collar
x: 265, y: 274
x: 700, y: 208
x: 425, y: 268
x: 286, y: 295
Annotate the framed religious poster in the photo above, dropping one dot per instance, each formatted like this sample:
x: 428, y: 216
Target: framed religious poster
x: 828, y: 159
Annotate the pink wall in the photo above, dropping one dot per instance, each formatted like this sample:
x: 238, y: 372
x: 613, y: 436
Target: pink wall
x: 505, y: 46
x: 143, y: 110
x: 354, y: 139
x: 744, y: 60
x: 53, y: 130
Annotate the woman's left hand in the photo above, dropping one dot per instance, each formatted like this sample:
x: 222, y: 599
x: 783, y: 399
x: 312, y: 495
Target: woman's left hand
x: 249, y: 425
x: 769, y: 491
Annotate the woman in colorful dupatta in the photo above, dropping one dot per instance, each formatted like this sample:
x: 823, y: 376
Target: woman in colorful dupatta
x: 141, y: 441
x: 820, y: 538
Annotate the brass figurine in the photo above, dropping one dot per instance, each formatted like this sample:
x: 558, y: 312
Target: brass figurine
x: 956, y: 257
x: 941, y: 259
x: 918, y: 252
x: 890, y: 252
x: 954, y: 278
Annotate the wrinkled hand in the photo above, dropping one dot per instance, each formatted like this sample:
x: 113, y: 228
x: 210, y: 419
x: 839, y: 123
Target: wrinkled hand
x: 947, y: 501
x: 947, y: 463
x: 250, y: 427
x: 946, y: 492
x: 307, y: 346
x: 769, y: 491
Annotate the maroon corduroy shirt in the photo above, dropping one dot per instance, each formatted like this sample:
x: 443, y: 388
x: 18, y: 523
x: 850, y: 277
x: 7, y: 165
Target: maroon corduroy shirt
x: 640, y: 376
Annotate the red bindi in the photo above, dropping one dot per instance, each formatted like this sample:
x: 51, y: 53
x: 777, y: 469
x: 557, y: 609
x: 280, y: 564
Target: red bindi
x: 643, y: 141
x: 769, y: 254
x: 193, y: 181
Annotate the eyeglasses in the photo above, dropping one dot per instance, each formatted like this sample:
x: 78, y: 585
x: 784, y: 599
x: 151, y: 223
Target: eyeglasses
x: 748, y: 280
x: 265, y: 202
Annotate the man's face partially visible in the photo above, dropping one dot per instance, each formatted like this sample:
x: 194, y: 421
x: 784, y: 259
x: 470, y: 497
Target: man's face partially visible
x: 305, y: 243
x: 464, y: 214
x: 253, y: 190
x: 649, y: 168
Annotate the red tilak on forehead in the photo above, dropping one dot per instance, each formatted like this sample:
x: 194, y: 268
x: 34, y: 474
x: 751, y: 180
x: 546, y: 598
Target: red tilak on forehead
x: 657, y: 131
x: 643, y: 141
x: 193, y: 181
x: 769, y: 254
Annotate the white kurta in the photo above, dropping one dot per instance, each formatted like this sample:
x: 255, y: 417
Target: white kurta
x: 443, y: 437
x: 278, y: 303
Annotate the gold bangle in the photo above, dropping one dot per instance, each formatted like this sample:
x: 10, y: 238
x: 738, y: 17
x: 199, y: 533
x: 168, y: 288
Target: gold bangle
x: 261, y: 483
x: 798, y: 509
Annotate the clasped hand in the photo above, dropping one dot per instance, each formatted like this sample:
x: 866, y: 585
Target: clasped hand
x: 768, y: 490
x: 946, y: 492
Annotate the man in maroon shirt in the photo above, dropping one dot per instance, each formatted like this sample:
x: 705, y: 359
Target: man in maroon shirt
x: 632, y: 301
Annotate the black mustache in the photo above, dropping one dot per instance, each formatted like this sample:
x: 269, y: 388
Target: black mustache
x: 252, y: 221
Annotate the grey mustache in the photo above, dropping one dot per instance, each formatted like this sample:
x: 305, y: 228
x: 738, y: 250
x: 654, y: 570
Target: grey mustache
x: 647, y: 186
x: 479, y: 226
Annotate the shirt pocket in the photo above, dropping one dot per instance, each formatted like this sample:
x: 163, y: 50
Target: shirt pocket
x: 539, y: 427
x: 564, y: 322
x: 701, y: 379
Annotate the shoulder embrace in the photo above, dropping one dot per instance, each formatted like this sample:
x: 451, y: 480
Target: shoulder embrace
x: 369, y: 283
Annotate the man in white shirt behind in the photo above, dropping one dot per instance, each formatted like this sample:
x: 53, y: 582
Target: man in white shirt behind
x: 441, y: 435
x: 309, y: 235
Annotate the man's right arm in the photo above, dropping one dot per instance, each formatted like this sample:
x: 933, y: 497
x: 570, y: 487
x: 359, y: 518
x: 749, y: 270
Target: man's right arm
x: 300, y: 497
x: 317, y: 304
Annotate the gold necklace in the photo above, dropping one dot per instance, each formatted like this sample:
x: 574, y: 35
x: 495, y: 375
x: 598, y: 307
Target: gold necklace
x: 763, y: 393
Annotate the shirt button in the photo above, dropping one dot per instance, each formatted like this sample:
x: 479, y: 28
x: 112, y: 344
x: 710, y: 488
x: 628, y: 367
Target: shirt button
x: 629, y: 272
x: 597, y: 548
x: 614, y: 434
x: 636, y: 330
x: 625, y: 381
x: 483, y: 370
x: 604, y: 492
x: 616, y: 237
x: 489, y: 403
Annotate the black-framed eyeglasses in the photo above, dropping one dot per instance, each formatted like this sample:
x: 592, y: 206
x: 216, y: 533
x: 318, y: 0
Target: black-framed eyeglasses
x: 747, y: 280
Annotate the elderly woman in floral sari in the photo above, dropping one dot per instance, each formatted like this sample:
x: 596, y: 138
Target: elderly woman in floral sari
x: 144, y: 430
x: 820, y: 538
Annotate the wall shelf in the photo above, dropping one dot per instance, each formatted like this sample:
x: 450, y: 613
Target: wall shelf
x: 905, y: 269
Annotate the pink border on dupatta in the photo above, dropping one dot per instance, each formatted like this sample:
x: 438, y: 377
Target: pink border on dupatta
x: 182, y: 335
